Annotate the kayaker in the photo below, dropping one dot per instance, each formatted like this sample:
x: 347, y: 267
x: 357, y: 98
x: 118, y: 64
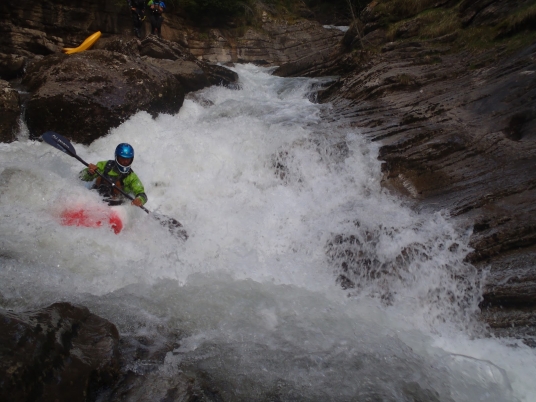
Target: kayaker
x: 156, y: 9
x: 137, y: 8
x: 119, y: 172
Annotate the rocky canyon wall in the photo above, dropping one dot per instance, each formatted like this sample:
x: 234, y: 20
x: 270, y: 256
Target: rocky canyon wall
x: 456, y: 120
x: 33, y: 34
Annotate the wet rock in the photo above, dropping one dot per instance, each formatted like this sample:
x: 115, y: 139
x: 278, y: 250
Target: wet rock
x: 62, y: 352
x: 188, y: 73
x: 10, y: 111
x: 193, y: 74
x: 145, y: 376
x: 82, y: 96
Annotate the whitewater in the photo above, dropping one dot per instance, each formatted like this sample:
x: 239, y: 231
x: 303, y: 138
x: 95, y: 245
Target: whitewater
x: 303, y: 279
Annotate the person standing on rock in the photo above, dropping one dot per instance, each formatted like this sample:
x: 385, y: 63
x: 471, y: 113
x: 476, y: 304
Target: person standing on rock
x: 137, y: 8
x: 156, y: 9
x: 119, y: 173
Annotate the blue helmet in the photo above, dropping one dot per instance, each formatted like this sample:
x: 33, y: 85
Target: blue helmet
x: 124, y: 151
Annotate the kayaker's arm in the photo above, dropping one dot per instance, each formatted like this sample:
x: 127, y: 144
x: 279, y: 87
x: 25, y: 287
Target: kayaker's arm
x: 87, y: 175
x: 134, y: 186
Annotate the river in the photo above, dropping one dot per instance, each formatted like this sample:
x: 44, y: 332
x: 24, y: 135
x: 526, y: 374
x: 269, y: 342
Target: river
x: 302, y: 280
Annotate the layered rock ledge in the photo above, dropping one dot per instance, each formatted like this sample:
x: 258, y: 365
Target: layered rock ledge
x: 457, y: 130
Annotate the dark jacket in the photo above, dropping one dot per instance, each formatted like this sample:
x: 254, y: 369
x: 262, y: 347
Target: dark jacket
x: 137, y: 4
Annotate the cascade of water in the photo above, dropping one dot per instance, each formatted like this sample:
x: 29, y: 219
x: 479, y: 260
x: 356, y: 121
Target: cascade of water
x: 302, y: 278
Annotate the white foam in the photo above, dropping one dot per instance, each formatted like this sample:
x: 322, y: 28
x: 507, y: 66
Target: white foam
x: 263, y: 185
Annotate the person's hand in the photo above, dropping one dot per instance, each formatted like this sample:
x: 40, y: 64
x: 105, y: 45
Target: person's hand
x: 137, y: 201
x: 91, y: 168
x: 133, y: 8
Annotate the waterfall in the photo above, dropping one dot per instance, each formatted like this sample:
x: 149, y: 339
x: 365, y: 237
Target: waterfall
x: 303, y: 279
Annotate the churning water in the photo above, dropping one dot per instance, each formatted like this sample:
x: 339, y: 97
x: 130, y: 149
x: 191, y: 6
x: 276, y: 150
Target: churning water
x: 302, y: 279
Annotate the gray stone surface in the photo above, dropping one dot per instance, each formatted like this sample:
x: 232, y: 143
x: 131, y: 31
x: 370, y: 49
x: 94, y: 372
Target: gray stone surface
x: 10, y: 110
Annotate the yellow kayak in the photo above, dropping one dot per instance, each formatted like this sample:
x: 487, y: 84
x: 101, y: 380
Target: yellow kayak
x: 84, y: 46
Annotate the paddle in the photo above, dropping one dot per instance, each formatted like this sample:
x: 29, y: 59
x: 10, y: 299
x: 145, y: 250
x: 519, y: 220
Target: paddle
x: 63, y: 144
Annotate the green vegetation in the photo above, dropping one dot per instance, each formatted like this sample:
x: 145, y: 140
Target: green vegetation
x: 523, y: 19
x: 439, y: 22
x: 425, y: 20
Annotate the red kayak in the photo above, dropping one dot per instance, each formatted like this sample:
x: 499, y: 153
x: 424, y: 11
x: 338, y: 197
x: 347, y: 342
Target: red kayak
x: 112, y: 217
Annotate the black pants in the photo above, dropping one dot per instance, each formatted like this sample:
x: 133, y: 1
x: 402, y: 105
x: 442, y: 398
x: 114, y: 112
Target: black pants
x: 137, y: 18
x: 107, y: 194
x: 156, y: 24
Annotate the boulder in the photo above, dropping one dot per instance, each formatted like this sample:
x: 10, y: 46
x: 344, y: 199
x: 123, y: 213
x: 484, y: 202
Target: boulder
x: 119, y: 44
x: 59, y: 353
x: 10, y: 110
x: 193, y: 74
x: 84, y: 95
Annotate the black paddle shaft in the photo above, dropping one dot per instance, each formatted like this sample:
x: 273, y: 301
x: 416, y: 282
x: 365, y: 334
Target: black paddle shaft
x: 63, y: 144
x: 111, y: 183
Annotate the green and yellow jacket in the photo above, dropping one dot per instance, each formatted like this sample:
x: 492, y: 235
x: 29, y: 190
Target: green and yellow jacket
x: 129, y: 182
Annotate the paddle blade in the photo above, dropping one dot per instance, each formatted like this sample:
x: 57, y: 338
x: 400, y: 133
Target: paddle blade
x: 173, y: 225
x: 59, y: 141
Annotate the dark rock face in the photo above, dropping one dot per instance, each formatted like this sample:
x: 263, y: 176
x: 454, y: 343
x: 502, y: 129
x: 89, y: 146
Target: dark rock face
x: 85, y: 94
x: 65, y: 353
x: 62, y: 352
x: 9, y: 112
x: 462, y: 138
